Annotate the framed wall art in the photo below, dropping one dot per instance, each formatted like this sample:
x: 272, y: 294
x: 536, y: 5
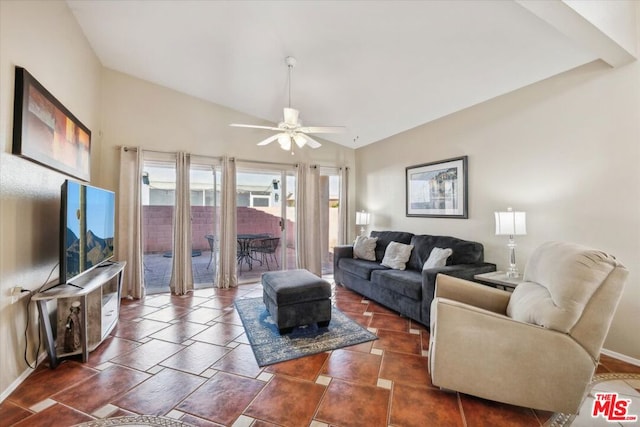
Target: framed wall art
x: 438, y: 189
x: 45, y: 132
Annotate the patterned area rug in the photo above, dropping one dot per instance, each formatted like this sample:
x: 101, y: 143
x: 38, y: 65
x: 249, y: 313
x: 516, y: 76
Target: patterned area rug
x: 270, y: 347
x: 626, y: 385
x: 136, y: 420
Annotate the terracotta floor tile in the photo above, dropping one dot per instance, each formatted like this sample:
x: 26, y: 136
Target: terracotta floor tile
x: 401, y: 342
x: 101, y: 389
x: 354, y: 405
x: 413, y: 406
x: 218, y: 302
x: 159, y: 394
x: 110, y: 348
x: 222, y: 398
x: 239, y: 361
x: 405, y: 368
x: 179, y: 332
x: 148, y: 354
x: 276, y: 402
x: 350, y: 306
x: 219, y: 334
x: 199, y: 422
x: 136, y: 331
x: 353, y: 366
x: 10, y: 413
x: 480, y: 412
x: 133, y: 311
x: 305, y: 368
x: 378, y: 308
x: 231, y: 317
x: 203, y: 315
x: 47, y: 382
x: 364, y: 347
x: 168, y: 314
x: 196, y: 358
x: 56, y: 415
x: 389, y: 322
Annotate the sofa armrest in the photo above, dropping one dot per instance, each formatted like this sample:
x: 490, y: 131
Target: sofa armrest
x: 475, y: 294
x: 339, y: 252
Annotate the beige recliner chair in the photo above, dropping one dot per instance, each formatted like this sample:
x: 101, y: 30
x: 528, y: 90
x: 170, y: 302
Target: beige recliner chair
x: 537, y: 347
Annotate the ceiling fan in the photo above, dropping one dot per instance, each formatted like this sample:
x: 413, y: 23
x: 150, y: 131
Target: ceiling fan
x: 290, y: 128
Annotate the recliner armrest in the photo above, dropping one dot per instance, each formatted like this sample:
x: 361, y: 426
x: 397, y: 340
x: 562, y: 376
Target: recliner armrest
x: 475, y: 294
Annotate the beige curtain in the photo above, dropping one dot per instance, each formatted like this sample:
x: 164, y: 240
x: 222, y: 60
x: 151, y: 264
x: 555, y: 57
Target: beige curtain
x: 227, y: 271
x: 343, y: 211
x: 308, y: 244
x: 182, y: 272
x: 129, y: 244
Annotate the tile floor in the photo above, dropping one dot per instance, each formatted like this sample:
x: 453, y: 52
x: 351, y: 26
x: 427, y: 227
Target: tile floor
x: 188, y: 358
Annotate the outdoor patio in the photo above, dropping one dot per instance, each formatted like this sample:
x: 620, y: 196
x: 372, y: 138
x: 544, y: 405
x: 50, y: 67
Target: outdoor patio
x: 157, y: 269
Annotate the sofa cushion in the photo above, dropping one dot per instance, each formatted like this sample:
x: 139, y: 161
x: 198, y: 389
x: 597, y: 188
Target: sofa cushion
x: 437, y: 258
x: 397, y: 255
x: 360, y: 267
x: 365, y: 248
x: 560, y: 279
x: 464, y: 251
x: 386, y: 237
x: 407, y: 282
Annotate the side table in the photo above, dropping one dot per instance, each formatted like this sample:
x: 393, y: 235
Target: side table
x: 498, y: 279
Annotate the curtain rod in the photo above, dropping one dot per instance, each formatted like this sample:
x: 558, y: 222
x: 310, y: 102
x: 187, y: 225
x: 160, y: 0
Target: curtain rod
x: 259, y: 162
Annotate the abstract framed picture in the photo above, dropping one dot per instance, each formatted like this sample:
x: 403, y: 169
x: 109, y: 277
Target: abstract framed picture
x: 45, y: 132
x: 438, y: 189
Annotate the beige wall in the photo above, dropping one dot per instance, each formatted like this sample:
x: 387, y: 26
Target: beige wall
x: 565, y: 150
x: 44, y: 38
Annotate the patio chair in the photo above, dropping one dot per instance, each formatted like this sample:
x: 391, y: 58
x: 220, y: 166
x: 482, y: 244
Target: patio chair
x: 267, y: 249
x: 212, y: 246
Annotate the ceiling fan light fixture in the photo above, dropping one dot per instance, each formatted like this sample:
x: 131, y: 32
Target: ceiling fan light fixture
x: 285, y: 141
x: 300, y: 140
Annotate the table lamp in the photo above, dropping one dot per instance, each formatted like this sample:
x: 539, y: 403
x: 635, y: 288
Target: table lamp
x: 362, y: 219
x: 511, y: 223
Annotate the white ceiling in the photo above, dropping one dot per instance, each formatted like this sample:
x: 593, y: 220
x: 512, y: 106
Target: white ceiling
x: 376, y: 67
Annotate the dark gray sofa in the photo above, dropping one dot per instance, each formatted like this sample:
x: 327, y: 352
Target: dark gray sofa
x: 409, y: 291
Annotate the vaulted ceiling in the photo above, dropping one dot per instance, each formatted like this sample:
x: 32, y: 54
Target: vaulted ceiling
x: 376, y: 67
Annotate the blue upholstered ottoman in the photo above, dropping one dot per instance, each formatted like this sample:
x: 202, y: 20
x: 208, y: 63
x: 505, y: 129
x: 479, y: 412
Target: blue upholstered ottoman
x: 296, y: 298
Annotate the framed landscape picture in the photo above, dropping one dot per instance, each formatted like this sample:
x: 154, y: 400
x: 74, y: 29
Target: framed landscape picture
x: 45, y: 132
x: 438, y: 189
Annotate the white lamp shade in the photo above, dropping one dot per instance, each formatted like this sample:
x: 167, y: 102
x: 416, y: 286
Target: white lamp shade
x: 511, y: 223
x: 362, y: 218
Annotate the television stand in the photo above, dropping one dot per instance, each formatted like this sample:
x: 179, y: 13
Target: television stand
x: 98, y: 292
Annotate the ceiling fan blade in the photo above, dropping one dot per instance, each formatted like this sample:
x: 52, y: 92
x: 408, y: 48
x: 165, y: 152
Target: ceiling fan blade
x: 291, y: 116
x: 310, y: 141
x: 269, y: 140
x: 237, y: 125
x: 323, y: 129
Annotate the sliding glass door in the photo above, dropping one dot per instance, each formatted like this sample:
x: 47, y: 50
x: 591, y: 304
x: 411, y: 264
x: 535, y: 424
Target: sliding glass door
x: 265, y: 220
x: 158, y: 206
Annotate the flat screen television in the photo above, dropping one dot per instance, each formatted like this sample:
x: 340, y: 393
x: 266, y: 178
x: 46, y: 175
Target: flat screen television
x: 87, y: 230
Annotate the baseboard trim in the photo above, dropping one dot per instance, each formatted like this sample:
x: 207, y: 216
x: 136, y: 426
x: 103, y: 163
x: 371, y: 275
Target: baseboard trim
x: 620, y: 356
x: 23, y: 376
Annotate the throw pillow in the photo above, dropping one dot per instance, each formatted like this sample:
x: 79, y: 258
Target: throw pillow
x: 365, y: 248
x: 396, y: 255
x: 437, y: 258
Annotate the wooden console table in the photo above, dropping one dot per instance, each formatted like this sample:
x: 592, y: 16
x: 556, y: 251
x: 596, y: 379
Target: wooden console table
x: 98, y: 293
